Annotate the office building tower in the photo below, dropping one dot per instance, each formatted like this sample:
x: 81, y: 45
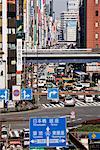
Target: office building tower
x: 90, y: 23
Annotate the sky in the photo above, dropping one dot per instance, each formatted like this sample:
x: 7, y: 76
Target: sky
x: 59, y: 6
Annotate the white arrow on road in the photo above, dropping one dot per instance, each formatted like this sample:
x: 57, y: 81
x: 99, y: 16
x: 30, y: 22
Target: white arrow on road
x: 52, y: 93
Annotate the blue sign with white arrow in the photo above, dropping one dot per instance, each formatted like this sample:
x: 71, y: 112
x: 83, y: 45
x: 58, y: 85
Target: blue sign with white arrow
x: 47, y: 132
x: 26, y: 94
x: 53, y: 93
x: 4, y: 94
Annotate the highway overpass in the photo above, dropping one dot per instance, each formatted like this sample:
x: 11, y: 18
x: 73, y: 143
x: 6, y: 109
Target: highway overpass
x: 62, y: 55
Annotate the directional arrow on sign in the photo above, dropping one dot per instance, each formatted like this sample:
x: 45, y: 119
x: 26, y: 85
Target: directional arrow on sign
x: 48, y: 134
x: 25, y: 95
x: 62, y: 140
x: 52, y: 93
x: 33, y: 141
x: 5, y: 96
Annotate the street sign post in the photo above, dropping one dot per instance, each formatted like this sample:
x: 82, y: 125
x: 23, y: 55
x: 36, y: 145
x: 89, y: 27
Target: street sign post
x: 4, y: 94
x: 26, y: 94
x: 53, y: 93
x: 47, y: 132
x: 72, y: 115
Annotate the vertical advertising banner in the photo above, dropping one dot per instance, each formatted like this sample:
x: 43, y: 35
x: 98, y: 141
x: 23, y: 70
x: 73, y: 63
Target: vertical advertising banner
x: 19, y: 54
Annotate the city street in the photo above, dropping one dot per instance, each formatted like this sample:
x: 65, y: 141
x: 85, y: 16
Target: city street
x: 19, y: 120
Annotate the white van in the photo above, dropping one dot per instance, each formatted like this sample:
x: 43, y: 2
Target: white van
x: 88, y: 98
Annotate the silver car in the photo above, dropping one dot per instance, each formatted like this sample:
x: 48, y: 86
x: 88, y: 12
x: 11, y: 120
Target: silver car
x: 69, y: 101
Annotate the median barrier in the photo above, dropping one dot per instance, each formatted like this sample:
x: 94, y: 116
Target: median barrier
x: 93, y: 121
x: 76, y: 142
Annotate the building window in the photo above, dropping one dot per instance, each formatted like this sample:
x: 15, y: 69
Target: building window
x: 96, y: 2
x: 96, y: 12
x: 96, y: 36
x: 96, y: 24
x: 11, y: 30
x: 97, y: 46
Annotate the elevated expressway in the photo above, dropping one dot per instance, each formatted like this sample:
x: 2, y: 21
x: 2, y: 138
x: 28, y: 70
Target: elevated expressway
x: 63, y: 55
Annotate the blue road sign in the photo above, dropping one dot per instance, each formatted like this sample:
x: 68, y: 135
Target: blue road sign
x: 47, y: 132
x: 53, y: 93
x: 26, y: 94
x: 94, y: 136
x: 4, y: 94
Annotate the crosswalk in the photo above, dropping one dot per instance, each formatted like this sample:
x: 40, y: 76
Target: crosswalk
x: 77, y: 104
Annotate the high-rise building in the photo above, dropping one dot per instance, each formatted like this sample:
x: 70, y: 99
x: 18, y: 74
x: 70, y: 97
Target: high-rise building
x: 8, y: 41
x: 69, y: 21
x: 11, y: 42
x: 69, y: 26
x: 73, y: 5
x: 90, y: 23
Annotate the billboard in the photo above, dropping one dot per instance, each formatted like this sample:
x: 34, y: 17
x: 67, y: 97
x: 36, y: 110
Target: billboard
x: 11, y: 1
x: 71, y: 29
x: 19, y: 54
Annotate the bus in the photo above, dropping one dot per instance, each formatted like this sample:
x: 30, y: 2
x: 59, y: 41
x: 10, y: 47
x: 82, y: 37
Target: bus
x: 81, y: 76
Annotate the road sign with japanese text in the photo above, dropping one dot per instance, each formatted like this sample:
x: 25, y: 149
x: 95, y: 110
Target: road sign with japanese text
x: 47, y: 132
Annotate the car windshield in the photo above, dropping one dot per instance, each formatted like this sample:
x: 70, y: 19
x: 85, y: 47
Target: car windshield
x: 26, y: 135
x: 89, y: 95
x: 68, y: 97
x: 79, y: 85
x: 4, y: 132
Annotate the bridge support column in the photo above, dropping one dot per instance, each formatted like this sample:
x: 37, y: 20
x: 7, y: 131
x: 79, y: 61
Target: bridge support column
x: 91, y: 74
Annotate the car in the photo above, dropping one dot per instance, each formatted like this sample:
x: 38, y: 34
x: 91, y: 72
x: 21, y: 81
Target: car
x: 97, y: 97
x: 54, y: 101
x: 79, y: 86
x: 61, y: 97
x: 69, y: 101
x: 88, y: 98
x: 26, y: 137
x: 81, y: 97
x: 4, y: 133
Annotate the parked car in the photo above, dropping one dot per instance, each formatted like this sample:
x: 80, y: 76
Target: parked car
x: 69, y: 101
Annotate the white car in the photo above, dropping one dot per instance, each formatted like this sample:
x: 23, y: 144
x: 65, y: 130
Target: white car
x: 78, y: 86
x: 81, y: 97
x: 4, y: 133
x: 69, y: 101
x: 88, y: 98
